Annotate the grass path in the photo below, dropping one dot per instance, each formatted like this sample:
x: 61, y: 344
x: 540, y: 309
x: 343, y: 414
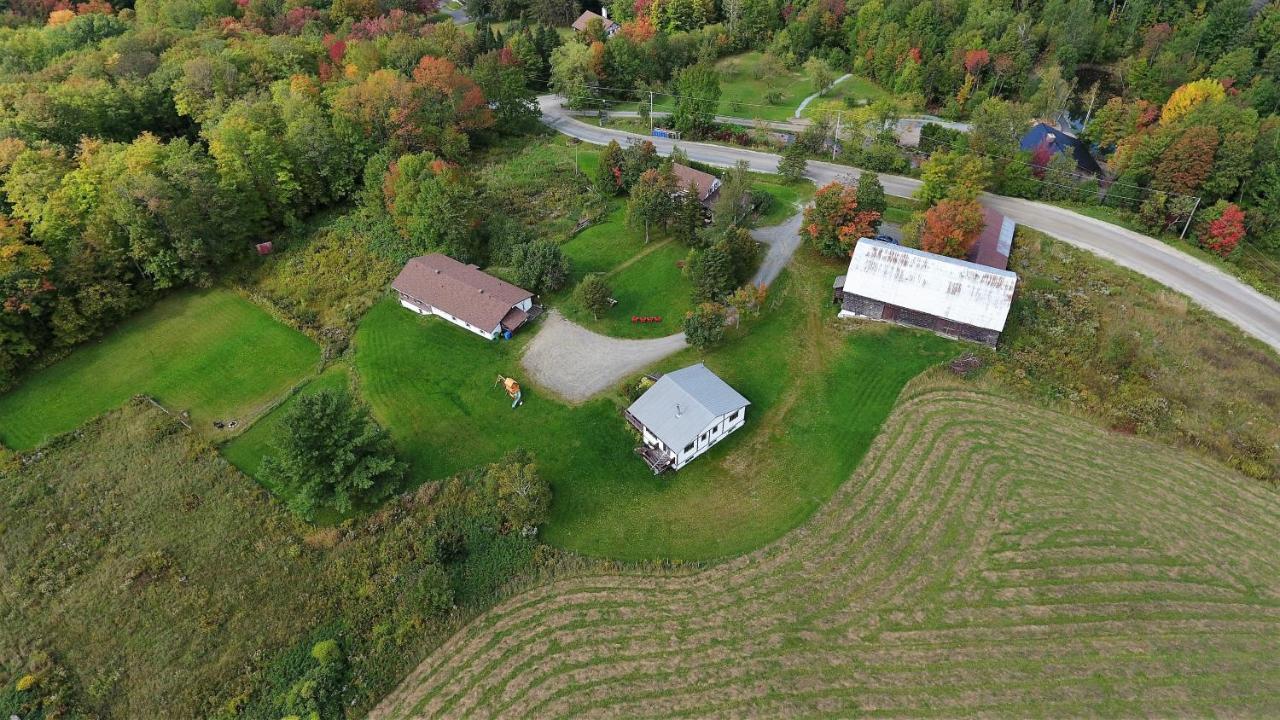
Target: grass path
x: 987, y: 558
x: 210, y: 352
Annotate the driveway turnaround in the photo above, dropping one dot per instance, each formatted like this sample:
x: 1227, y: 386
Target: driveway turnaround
x: 1211, y: 288
x: 575, y: 363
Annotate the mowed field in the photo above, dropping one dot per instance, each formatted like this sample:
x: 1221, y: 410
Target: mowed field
x: 209, y: 352
x: 987, y: 558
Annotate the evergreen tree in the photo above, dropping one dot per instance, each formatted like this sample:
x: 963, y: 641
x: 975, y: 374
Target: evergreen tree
x: 792, y: 166
x: 329, y: 453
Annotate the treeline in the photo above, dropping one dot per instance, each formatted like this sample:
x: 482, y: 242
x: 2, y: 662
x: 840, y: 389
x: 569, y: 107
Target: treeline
x: 146, y: 150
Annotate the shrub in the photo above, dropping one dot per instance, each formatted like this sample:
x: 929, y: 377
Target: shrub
x: 1222, y: 228
x: 540, y: 266
x: 592, y: 295
x: 704, y: 325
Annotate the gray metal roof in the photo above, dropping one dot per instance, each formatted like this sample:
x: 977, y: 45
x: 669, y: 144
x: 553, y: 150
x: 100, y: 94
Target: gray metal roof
x: 683, y: 403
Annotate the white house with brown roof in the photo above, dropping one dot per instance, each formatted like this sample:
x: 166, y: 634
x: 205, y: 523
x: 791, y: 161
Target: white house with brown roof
x: 438, y: 285
x: 706, y: 184
x: 610, y: 27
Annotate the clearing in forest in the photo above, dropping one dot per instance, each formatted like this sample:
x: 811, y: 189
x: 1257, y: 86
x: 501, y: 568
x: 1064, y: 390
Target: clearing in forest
x: 987, y: 558
x: 210, y: 352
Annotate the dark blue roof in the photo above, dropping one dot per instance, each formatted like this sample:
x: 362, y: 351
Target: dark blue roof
x: 1062, y: 143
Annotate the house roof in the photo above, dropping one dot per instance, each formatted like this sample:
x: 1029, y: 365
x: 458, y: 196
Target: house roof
x: 683, y: 403
x: 1060, y: 142
x: 994, y: 242
x: 587, y: 16
x: 459, y: 289
x: 706, y: 183
x: 953, y: 289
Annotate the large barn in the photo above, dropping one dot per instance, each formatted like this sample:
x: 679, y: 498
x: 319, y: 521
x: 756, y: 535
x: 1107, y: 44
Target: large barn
x: 438, y: 285
x: 951, y: 297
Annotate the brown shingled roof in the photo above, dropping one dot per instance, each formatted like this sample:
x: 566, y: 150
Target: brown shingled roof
x: 704, y: 182
x: 587, y: 16
x: 459, y: 289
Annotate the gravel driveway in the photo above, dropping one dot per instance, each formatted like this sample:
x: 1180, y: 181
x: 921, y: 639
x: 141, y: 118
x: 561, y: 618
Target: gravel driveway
x: 575, y: 363
x: 782, y: 240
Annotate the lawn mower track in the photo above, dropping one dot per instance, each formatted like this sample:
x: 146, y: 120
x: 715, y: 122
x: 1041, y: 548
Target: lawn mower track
x: 981, y: 547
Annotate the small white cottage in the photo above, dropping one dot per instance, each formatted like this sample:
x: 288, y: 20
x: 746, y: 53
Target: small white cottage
x: 683, y: 415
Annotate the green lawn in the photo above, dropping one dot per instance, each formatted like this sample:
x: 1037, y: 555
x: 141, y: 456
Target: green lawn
x: 651, y: 284
x: 787, y: 198
x: 209, y: 352
x: 743, y: 95
x: 858, y: 90
x: 819, y: 394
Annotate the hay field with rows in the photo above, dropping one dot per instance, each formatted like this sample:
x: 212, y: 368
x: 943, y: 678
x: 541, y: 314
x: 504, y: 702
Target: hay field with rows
x: 987, y: 558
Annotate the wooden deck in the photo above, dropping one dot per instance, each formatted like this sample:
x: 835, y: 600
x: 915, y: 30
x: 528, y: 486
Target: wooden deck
x: 657, y: 460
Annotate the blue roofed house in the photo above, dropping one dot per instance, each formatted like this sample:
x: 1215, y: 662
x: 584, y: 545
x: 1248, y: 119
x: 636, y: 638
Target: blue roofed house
x: 683, y: 415
x: 1059, y: 142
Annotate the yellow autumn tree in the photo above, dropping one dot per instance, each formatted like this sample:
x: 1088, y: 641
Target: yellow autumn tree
x: 1186, y: 98
x: 60, y: 17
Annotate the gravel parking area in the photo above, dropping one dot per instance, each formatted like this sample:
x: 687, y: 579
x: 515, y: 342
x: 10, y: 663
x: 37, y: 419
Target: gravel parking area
x: 576, y: 363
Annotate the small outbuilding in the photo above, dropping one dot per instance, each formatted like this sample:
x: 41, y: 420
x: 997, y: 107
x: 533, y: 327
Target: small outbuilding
x: 464, y: 295
x: 683, y: 415
x: 954, y: 298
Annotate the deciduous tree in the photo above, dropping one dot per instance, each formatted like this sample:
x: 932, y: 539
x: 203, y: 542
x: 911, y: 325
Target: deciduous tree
x: 593, y: 295
x: 835, y: 221
x: 704, y: 325
x: 951, y: 227
x: 697, y: 90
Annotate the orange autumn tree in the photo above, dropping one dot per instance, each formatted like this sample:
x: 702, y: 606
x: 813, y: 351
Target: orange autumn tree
x: 951, y: 227
x: 444, y: 106
x: 835, y: 221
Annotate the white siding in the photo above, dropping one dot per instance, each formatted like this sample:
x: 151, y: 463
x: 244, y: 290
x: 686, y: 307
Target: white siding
x: 442, y: 314
x: 717, y: 430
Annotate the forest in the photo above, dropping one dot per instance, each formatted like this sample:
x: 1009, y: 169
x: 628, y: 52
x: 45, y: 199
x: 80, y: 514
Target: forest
x: 149, y: 147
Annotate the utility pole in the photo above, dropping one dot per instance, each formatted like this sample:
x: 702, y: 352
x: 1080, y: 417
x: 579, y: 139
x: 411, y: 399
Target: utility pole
x: 1193, y: 214
x: 650, y: 112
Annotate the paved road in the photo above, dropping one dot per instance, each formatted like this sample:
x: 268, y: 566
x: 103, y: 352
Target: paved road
x: 1213, y: 289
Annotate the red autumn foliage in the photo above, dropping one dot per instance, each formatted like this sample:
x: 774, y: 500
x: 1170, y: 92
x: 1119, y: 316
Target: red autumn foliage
x: 976, y: 60
x: 1225, y: 232
x: 439, y: 75
x: 640, y: 30
x: 1187, y: 161
x: 915, y: 54
x: 835, y: 221
x: 337, y: 49
x: 951, y: 227
x: 296, y: 19
x: 1040, y: 158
